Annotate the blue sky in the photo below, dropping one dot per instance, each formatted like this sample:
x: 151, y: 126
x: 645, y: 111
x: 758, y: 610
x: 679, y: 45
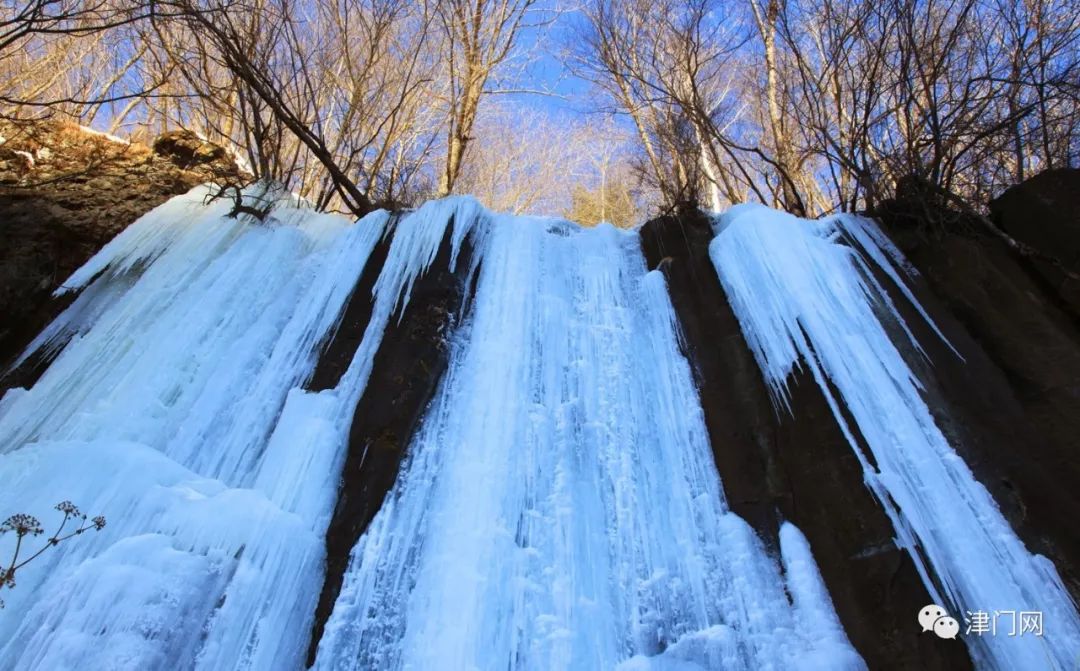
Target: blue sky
x: 546, y: 45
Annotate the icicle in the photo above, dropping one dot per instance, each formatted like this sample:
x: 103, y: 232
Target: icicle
x: 417, y: 250
x: 559, y: 508
x: 176, y: 411
x: 803, y: 296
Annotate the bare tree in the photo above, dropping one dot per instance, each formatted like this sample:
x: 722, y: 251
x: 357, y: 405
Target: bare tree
x: 70, y: 56
x: 21, y: 22
x: 813, y: 106
x: 479, y: 35
x: 608, y: 50
x: 839, y: 102
x: 519, y: 161
x: 767, y: 15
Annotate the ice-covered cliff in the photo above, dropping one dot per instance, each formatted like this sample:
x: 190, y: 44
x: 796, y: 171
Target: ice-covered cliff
x: 452, y: 439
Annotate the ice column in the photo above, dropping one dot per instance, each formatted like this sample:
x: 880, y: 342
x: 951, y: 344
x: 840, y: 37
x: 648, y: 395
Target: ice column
x: 560, y: 508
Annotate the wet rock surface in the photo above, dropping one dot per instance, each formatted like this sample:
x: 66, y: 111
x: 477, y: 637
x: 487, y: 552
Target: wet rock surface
x: 800, y: 468
x: 406, y: 371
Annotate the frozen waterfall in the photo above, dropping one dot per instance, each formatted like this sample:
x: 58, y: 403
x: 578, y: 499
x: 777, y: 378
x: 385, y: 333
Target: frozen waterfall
x: 558, y: 506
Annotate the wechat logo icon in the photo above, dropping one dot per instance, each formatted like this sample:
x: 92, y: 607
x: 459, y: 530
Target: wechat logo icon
x: 934, y: 618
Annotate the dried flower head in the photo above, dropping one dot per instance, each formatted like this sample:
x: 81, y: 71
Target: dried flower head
x: 22, y: 524
x: 68, y: 508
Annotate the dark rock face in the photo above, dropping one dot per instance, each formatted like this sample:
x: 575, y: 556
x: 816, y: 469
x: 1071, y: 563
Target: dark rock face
x: 799, y: 468
x: 60, y: 207
x: 408, y: 366
x: 338, y: 352
x: 1011, y: 407
x: 1044, y: 212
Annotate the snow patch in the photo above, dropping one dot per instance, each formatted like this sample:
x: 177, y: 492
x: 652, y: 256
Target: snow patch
x: 107, y: 136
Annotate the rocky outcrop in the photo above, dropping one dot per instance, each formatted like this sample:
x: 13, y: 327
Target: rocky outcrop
x: 64, y: 192
x: 1044, y: 212
x: 1011, y: 405
x: 1007, y: 396
x: 187, y: 150
x: 798, y: 467
x: 1004, y: 386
